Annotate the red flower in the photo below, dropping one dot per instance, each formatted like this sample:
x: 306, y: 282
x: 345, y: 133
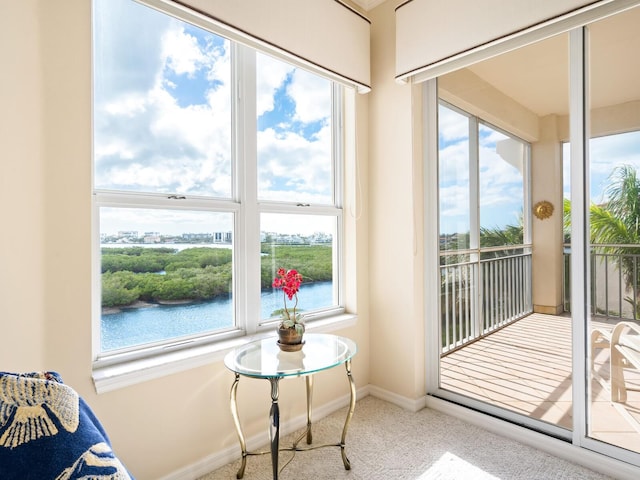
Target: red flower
x: 289, y: 281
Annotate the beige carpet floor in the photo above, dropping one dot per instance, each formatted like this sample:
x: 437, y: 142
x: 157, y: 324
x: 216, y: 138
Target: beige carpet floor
x: 386, y: 442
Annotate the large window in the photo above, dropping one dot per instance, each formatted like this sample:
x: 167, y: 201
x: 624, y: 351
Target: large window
x: 214, y: 165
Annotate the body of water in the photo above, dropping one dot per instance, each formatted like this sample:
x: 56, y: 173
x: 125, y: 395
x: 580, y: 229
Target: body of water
x: 137, y: 326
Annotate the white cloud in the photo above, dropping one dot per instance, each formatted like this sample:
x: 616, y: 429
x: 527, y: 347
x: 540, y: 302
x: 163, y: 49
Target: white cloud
x: 145, y: 139
x: 452, y: 125
x: 454, y: 164
x: 293, y: 168
x: 294, y: 164
x: 148, y: 136
x: 605, y: 154
x: 500, y: 186
x: 181, y: 51
x: 500, y: 182
x: 128, y: 105
x: 454, y: 201
x: 490, y: 136
x: 501, y: 190
x: 271, y: 75
x: 312, y: 95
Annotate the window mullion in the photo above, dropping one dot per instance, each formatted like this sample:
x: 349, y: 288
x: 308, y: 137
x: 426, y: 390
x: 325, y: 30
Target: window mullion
x: 248, y: 221
x: 338, y: 144
x: 474, y: 182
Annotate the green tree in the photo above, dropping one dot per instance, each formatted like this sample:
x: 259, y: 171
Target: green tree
x: 498, y: 237
x: 566, y: 219
x: 616, y: 224
x: 163, y: 274
x: 618, y: 221
x: 118, y: 289
x: 313, y: 261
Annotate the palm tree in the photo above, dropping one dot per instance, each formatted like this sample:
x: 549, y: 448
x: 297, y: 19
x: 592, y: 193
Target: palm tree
x: 501, y: 237
x: 566, y: 219
x: 616, y: 224
x: 497, y: 237
x: 618, y: 221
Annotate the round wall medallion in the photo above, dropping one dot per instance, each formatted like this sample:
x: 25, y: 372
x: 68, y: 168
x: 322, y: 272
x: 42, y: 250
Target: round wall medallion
x: 543, y: 209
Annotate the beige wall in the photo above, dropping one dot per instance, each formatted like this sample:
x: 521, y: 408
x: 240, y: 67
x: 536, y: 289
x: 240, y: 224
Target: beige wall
x: 22, y: 287
x: 159, y: 426
x: 395, y: 242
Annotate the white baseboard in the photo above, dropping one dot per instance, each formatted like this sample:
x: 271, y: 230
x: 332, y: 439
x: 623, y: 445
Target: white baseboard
x: 258, y: 441
x: 413, y: 405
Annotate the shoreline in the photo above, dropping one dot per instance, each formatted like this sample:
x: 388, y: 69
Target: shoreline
x: 134, y: 305
x: 143, y: 304
x: 159, y: 303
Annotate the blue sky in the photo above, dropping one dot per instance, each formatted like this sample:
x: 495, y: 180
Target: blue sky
x: 163, y: 116
x: 500, y: 182
x: 605, y: 154
x: 500, y: 186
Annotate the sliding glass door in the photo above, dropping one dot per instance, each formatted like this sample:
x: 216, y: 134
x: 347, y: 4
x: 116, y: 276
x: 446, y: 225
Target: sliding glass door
x: 505, y: 340
x: 538, y: 181
x: 613, y: 205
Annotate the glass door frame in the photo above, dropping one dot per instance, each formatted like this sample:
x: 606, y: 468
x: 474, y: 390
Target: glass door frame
x: 579, y: 138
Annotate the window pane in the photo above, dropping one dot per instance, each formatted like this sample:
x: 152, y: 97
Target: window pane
x: 611, y: 201
x: 294, y: 134
x: 165, y: 274
x: 501, y: 187
x: 453, y: 154
x: 162, y: 109
x: 304, y: 243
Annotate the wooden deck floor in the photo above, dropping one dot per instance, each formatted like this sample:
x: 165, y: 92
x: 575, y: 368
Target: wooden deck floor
x: 526, y: 368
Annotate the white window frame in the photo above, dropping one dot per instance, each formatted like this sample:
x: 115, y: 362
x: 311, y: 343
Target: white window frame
x: 580, y: 297
x: 130, y: 366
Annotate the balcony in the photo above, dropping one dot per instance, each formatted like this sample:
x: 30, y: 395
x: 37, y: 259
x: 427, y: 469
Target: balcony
x: 512, y: 358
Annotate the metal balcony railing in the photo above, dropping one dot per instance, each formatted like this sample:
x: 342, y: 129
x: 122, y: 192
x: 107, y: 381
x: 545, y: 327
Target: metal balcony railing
x: 480, y: 294
x: 615, y: 278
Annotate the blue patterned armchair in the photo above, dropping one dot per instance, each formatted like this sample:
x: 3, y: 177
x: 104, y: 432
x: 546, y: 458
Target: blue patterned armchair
x: 48, y: 432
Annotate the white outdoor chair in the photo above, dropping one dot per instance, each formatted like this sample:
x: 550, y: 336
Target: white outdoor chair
x: 625, y: 354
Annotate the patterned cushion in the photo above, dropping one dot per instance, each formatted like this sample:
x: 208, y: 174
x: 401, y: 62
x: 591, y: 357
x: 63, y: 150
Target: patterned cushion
x: 48, y: 432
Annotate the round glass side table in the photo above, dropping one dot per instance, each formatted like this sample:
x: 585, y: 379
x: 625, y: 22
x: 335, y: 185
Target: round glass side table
x: 263, y: 359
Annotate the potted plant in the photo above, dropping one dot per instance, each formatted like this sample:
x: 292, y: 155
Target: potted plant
x: 291, y: 327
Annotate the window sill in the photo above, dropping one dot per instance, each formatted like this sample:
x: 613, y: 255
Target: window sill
x: 114, y: 377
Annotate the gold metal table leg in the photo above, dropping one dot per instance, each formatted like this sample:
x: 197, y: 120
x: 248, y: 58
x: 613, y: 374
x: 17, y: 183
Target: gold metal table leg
x: 352, y: 407
x: 309, y: 380
x: 274, y: 426
x: 274, y: 423
x: 236, y: 422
